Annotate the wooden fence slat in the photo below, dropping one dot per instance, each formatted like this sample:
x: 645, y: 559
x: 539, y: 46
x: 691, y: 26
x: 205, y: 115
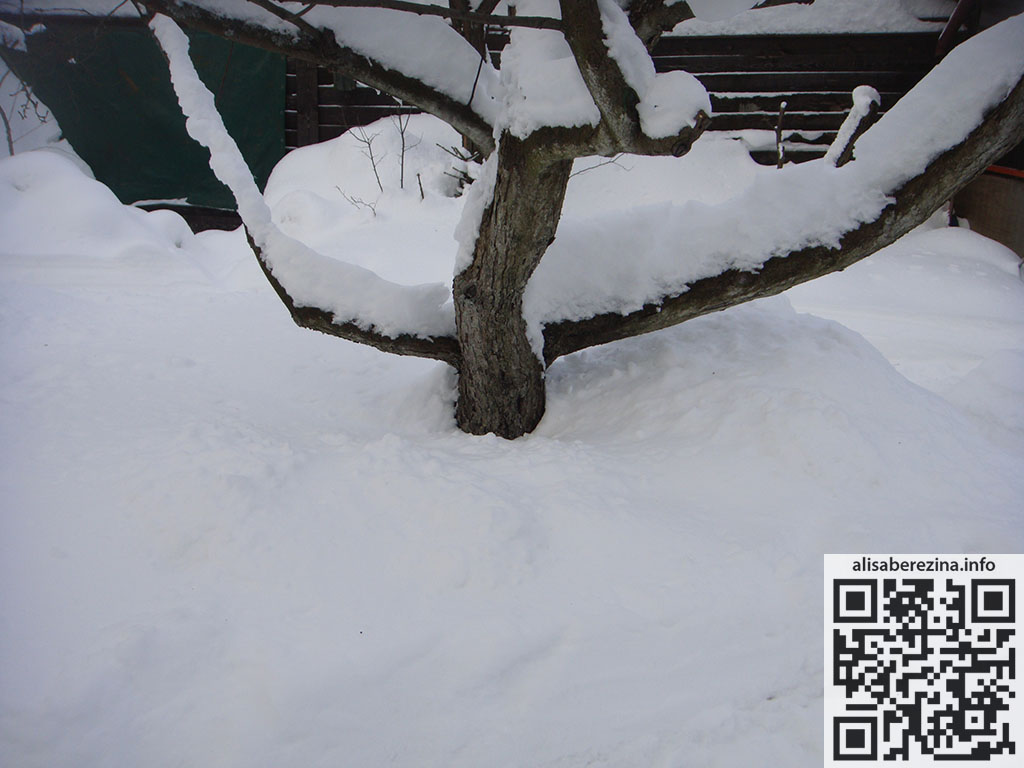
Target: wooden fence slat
x: 306, y: 103
x: 909, y: 43
x: 807, y: 81
x: 826, y: 101
x: 810, y: 121
x: 836, y: 61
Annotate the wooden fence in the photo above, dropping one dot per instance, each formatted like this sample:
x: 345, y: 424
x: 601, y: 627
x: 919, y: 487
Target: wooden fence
x: 748, y: 79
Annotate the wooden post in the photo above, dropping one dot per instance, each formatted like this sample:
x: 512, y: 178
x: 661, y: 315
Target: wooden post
x: 307, y: 104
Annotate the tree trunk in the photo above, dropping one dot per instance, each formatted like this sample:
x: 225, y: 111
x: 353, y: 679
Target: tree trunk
x: 501, y: 378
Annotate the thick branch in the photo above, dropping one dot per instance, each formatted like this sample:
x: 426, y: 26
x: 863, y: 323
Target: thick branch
x: 475, y: 17
x: 650, y: 18
x: 915, y: 201
x: 444, y: 348
x: 320, y: 47
x: 615, y: 100
x: 620, y: 129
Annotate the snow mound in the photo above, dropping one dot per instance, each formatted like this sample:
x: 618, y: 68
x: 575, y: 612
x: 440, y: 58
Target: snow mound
x: 36, y: 185
x: 327, y: 196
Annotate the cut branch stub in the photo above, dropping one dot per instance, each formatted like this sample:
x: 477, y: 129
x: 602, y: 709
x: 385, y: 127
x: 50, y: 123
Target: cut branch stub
x: 862, y: 116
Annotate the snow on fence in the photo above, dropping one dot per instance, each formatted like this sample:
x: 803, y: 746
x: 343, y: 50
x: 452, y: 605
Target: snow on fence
x: 748, y: 78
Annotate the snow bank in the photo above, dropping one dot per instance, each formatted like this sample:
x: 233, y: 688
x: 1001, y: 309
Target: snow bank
x: 326, y: 195
x: 93, y: 223
x: 229, y: 541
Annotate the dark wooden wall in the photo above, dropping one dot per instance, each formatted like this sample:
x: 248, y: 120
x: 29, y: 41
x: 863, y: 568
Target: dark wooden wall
x: 748, y: 78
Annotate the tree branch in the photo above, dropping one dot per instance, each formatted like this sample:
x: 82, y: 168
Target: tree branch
x: 475, y: 17
x: 615, y: 100
x: 444, y: 348
x: 651, y: 18
x: 915, y: 201
x: 282, y: 13
x: 320, y: 47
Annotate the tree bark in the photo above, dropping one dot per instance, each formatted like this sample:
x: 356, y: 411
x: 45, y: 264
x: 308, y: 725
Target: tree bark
x: 501, y: 377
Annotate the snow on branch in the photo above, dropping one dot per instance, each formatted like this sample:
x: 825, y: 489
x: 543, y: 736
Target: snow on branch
x: 333, y: 296
x: 793, y: 224
x: 641, y: 112
x: 669, y: 102
x: 419, y: 60
x: 865, y: 107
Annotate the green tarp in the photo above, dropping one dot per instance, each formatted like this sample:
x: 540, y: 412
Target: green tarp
x: 106, y: 83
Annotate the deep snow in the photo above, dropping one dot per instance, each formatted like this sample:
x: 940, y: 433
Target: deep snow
x: 227, y: 541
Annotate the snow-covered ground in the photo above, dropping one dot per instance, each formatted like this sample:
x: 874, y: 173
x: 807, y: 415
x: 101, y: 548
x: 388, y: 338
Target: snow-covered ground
x: 227, y: 541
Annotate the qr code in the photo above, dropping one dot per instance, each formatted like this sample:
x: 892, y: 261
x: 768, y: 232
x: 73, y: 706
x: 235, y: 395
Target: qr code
x: 920, y: 662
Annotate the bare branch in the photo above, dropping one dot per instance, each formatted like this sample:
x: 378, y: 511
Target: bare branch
x: 475, y: 17
x: 614, y: 160
x: 915, y: 201
x: 401, y: 123
x: 360, y: 135
x: 7, y: 131
x: 358, y: 202
x: 320, y: 47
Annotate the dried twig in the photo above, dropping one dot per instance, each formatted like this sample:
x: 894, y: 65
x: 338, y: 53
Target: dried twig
x: 402, y: 124
x: 358, y: 202
x: 360, y: 135
x: 609, y: 161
